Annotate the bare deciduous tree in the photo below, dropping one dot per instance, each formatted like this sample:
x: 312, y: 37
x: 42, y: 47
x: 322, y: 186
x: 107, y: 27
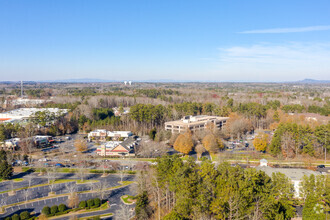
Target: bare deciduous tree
x: 71, y: 187
x: 26, y: 193
x: 3, y: 202
x: 123, y: 213
x: 29, y: 179
x: 101, y: 189
x: 73, y: 200
x: 122, y: 173
x: 51, y: 177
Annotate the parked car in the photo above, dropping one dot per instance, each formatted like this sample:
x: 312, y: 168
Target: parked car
x: 320, y: 166
x: 59, y: 165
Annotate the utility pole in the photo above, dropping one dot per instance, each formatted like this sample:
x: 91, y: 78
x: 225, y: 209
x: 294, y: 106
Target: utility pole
x: 21, y: 88
x: 325, y: 155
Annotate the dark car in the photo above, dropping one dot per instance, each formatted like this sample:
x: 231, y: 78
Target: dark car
x: 321, y: 166
x: 59, y: 165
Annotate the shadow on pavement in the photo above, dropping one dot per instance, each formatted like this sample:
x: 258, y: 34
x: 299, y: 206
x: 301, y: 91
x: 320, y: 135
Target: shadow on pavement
x: 17, y: 212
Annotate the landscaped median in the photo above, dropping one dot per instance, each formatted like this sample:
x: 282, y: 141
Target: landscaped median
x: 91, y: 205
x: 54, y: 182
x: 60, y: 211
x: 128, y: 199
x: 15, y: 180
x: 73, y: 170
x: 95, y: 217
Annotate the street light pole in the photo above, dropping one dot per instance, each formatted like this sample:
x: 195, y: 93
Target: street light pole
x: 325, y: 155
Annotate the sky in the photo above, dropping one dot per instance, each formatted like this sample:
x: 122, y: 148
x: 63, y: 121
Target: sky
x: 186, y: 40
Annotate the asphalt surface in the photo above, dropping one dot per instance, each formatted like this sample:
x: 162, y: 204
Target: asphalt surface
x: 60, y: 188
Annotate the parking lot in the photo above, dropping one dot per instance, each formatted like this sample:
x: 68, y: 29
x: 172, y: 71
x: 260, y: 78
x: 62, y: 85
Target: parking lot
x: 39, y: 192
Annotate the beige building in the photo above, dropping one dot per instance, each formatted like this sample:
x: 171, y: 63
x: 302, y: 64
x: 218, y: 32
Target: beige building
x: 118, y: 148
x: 195, y: 123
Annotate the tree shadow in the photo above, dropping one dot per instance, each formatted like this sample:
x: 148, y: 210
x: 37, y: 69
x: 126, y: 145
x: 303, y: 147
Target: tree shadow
x: 21, y: 175
x: 16, y: 212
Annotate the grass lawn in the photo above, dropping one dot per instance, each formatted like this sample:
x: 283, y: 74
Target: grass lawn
x: 128, y: 199
x: 18, y: 179
x: 104, y: 215
x: 62, y: 181
x: 104, y: 206
x: 86, y: 181
x: 125, y: 183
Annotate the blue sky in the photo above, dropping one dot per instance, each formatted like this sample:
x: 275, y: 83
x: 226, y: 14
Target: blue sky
x: 179, y: 40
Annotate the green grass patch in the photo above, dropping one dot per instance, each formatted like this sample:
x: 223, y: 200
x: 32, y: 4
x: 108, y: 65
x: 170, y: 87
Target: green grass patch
x: 91, y: 217
x: 86, y: 181
x: 18, y: 179
x: 127, y: 182
x: 70, y: 212
x: 128, y: 199
x: 26, y: 169
x: 62, y: 181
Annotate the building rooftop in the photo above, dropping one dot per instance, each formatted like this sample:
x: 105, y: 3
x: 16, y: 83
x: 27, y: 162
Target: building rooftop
x: 292, y: 173
x: 28, y: 112
x: 195, y: 120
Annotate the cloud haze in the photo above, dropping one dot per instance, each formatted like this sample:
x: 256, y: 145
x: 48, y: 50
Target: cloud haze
x: 289, y: 61
x: 287, y: 30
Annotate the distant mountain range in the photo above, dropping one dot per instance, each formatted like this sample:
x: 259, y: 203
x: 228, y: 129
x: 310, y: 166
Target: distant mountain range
x: 83, y: 80
x: 89, y: 80
x: 313, y: 81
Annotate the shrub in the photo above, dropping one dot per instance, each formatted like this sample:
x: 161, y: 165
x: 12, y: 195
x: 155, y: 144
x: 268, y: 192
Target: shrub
x: 54, y: 209
x: 82, y: 204
x: 90, y: 203
x: 45, y: 210
x: 97, y: 202
x: 61, y: 207
x: 15, y: 217
x: 8, y: 218
x: 25, y: 215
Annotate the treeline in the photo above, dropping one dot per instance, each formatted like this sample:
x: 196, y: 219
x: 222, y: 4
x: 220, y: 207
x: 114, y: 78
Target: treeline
x: 185, y: 190
x: 144, y: 117
x: 296, y: 108
x: 291, y: 140
x: 70, y: 106
x: 101, y: 117
x: 158, y: 93
x: 8, y: 131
